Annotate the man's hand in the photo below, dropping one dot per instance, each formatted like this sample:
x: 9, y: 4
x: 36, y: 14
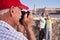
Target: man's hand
x: 28, y: 20
x: 20, y: 28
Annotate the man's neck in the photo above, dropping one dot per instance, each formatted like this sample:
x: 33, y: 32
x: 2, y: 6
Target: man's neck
x: 9, y: 21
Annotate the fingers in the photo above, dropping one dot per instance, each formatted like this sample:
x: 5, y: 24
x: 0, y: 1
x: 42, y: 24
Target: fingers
x: 25, y: 16
x: 30, y: 14
x: 27, y: 19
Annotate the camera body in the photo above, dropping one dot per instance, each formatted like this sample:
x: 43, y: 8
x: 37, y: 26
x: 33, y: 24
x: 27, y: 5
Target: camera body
x: 22, y: 17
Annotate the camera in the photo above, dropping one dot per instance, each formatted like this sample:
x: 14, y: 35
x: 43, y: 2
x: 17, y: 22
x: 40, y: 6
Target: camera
x: 22, y: 17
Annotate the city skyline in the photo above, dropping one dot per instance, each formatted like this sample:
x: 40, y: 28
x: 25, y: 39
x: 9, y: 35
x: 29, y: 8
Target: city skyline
x: 41, y: 3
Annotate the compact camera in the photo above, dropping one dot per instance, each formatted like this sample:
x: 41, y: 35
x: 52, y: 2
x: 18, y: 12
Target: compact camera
x: 22, y: 17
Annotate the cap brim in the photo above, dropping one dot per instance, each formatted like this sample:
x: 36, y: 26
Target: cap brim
x: 24, y: 7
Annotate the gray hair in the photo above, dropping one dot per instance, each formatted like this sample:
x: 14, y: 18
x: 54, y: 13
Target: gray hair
x: 3, y: 11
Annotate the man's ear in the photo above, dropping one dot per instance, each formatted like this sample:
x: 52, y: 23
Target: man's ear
x: 11, y: 10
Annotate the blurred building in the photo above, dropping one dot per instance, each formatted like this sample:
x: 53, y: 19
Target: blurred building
x: 38, y: 11
x: 48, y: 10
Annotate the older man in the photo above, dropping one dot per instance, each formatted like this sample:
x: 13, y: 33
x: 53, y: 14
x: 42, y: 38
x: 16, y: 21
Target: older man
x: 10, y: 13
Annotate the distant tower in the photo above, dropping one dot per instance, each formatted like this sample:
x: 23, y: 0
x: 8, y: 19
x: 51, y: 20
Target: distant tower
x: 34, y: 9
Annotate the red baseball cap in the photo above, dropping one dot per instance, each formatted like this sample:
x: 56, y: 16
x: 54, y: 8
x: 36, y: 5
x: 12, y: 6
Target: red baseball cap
x: 4, y: 4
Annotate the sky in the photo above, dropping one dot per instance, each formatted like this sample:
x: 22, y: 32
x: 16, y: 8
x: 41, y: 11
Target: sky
x: 41, y: 3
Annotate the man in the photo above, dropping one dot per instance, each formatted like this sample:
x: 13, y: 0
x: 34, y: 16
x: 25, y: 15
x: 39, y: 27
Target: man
x: 42, y: 26
x: 10, y: 13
